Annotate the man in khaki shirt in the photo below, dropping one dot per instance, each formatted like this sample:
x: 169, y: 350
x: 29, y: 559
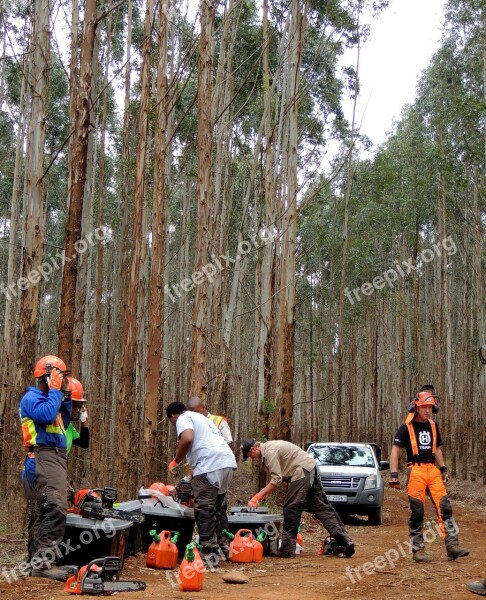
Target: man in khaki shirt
x: 286, y: 462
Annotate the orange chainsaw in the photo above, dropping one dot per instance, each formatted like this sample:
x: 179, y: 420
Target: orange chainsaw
x: 97, y: 503
x: 101, y: 578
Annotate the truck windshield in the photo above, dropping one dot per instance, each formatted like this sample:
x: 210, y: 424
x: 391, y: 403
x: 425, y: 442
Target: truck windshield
x: 351, y: 456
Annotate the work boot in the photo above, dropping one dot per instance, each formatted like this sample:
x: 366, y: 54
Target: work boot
x: 477, y: 587
x: 210, y: 557
x: 456, y: 552
x: 346, y: 543
x: 420, y: 556
x: 51, y: 573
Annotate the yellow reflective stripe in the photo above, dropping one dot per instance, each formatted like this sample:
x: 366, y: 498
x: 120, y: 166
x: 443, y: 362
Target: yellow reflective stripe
x: 59, y: 428
x: 216, y: 420
x: 29, y: 432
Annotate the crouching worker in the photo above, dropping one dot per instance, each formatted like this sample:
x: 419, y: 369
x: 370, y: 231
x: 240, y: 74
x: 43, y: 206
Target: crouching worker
x: 286, y: 462
x: 426, y: 473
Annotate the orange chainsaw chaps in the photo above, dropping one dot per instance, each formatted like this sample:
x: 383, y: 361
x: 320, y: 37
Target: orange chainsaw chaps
x: 425, y: 479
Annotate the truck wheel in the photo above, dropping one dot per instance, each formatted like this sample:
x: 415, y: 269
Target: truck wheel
x: 375, y: 517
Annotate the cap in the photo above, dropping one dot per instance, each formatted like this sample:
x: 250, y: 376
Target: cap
x: 246, y: 446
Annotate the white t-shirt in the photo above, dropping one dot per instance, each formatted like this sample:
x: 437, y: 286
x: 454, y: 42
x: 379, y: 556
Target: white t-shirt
x: 209, y: 451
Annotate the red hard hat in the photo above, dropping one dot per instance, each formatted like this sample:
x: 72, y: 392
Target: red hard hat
x: 159, y: 487
x: 76, y: 389
x: 425, y: 398
x: 53, y: 361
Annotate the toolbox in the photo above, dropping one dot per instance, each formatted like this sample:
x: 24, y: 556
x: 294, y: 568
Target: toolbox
x: 160, y: 518
x: 86, y: 539
x: 257, y: 520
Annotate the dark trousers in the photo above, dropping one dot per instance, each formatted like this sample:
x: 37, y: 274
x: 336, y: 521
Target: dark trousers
x: 49, y: 505
x: 209, y: 512
x: 306, y: 494
x: 28, y: 483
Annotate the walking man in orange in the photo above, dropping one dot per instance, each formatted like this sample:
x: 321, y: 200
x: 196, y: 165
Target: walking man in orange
x: 426, y: 473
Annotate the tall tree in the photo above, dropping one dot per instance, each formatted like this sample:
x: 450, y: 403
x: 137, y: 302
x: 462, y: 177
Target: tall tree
x: 78, y: 161
x: 201, y: 308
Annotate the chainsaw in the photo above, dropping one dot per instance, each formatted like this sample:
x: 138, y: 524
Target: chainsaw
x: 97, y: 503
x: 330, y: 547
x: 100, y: 577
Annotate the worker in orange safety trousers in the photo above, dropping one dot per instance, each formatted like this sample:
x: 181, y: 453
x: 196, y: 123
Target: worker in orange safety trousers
x: 426, y: 473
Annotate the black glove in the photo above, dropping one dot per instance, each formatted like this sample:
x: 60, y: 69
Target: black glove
x: 394, y: 481
x: 445, y: 474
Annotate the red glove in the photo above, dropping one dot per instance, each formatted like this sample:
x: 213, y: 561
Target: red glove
x: 55, y: 379
x: 253, y: 503
x: 172, y: 466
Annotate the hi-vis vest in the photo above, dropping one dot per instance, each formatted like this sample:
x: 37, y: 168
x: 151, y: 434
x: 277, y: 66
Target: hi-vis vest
x: 217, y: 420
x: 413, y: 439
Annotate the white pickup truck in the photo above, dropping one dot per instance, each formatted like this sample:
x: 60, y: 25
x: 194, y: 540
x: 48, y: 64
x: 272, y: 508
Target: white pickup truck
x: 351, y: 478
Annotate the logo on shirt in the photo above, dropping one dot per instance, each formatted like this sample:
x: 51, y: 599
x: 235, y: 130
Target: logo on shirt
x: 424, y: 438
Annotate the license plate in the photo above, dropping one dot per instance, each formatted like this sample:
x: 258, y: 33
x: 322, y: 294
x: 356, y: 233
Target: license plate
x: 333, y: 498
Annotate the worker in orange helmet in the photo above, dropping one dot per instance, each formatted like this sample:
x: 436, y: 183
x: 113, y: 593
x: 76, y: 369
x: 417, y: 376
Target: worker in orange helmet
x: 45, y: 412
x: 426, y: 473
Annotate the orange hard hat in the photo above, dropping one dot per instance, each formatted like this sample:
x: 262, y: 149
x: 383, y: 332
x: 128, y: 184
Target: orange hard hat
x: 425, y: 398
x: 46, y: 362
x: 159, y: 487
x: 76, y: 389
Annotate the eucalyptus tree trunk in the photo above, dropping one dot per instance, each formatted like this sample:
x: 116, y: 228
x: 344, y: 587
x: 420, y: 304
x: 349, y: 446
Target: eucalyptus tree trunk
x: 154, y: 377
x: 33, y: 241
x: 265, y: 328
x: 97, y: 365
x: 12, y: 299
x: 281, y: 423
x: 120, y: 249
x: 223, y: 300
x: 76, y: 193
x: 204, y: 192
x: 130, y: 404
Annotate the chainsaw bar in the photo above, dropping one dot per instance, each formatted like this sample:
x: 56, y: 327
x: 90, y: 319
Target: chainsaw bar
x: 112, y: 513
x: 90, y: 586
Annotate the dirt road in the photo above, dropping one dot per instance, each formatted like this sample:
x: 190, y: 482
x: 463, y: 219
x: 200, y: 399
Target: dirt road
x: 381, y: 568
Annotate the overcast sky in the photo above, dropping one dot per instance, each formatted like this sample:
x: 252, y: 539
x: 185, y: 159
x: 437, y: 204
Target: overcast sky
x: 400, y: 45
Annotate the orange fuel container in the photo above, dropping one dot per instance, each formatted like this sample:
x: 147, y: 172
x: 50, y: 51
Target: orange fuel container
x: 300, y: 537
x: 243, y: 548
x: 258, y: 547
x: 191, y: 571
x: 162, y: 552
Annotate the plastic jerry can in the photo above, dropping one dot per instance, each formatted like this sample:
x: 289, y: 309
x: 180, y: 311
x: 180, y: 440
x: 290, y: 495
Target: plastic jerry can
x: 162, y: 553
x: 241, y: 548
x: 258, y: 548
x: 300, y: 537
x: 191, y: 571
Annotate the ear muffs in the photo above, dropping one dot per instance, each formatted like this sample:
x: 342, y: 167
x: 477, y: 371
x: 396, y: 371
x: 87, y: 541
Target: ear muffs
x: 412, y: 406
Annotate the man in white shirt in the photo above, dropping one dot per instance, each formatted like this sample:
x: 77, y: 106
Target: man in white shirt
x: 212, y: 462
